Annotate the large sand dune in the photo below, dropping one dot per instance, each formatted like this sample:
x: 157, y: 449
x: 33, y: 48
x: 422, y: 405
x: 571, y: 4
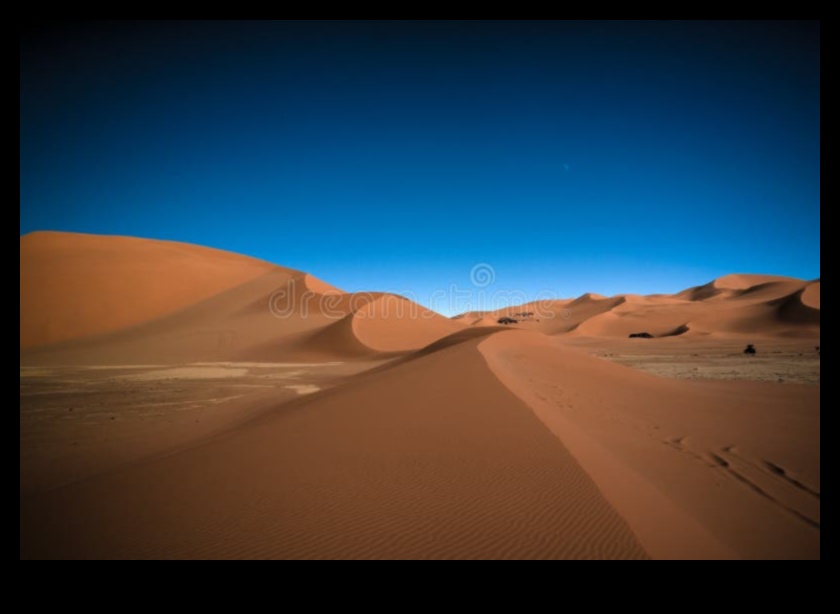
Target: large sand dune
x: 72, y: 286
x: 159, y: 302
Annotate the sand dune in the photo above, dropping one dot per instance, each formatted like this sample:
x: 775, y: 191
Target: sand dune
x: 698, y: 469
x: 215, y: 406
x: 811, y: 295
x: 313, y: 284
x: 733, y: 305
x: 226, y: 326
x: 394, y: 324
x: 730, y: 285
x: 741, y: 281
x: 471, y: 318
x: 232, y: 308
x: 72, y: 285
x: 163, y: 302
x: 371, y: 469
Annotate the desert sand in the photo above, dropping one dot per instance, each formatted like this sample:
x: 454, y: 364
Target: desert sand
x: 181, y: 402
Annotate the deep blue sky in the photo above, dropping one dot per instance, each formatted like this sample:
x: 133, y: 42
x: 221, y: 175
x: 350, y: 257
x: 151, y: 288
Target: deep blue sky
x: 572, y: 157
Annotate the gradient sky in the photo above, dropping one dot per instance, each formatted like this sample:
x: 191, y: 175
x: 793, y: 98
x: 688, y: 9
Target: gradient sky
x: 571, y: 157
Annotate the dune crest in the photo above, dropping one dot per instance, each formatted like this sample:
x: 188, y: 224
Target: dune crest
x: 379, y: 323
x: 741, y: 281
x: 317, y: 286
x: 696, y: 470
x: 392, y: 323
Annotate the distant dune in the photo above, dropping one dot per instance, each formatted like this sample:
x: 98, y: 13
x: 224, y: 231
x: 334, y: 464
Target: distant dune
x: 746, y: 305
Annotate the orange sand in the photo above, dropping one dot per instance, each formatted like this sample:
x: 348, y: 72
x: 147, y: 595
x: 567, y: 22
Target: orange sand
x: 422, y: 437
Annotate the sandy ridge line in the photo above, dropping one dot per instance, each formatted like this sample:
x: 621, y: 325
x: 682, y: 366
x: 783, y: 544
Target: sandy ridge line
x: 664, y: 529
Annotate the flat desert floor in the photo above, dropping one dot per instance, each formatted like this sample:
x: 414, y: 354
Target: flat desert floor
x: 781, y: 361
x: 76, y: 422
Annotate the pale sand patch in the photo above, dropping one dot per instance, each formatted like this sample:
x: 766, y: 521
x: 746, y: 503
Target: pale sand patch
x: 189, y: 373
x: 304, y: 389
x: 41, y: 371
x: 269, y: 365
x: 117, y: 367
x: 35, y: 372
x: 77, y: 422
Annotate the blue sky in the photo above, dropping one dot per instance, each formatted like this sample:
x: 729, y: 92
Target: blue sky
x: 571, y: 157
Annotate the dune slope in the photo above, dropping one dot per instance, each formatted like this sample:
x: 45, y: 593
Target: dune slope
x: 159, y: 302
x: 698, y: 469
x: 74, y: 285
x: 370, y: 469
